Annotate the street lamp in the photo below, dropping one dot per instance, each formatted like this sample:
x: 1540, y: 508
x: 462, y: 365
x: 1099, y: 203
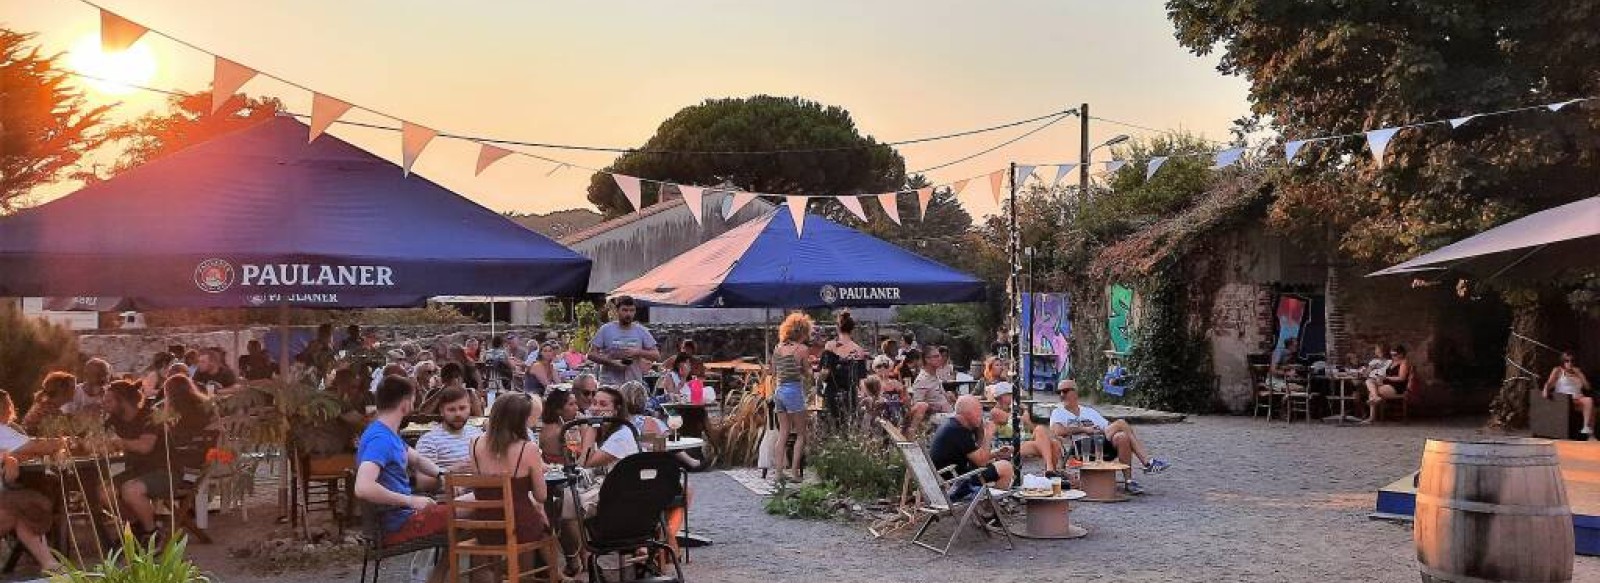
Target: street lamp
x: 1120, y: 138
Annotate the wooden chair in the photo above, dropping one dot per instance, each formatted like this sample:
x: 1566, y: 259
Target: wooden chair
x: 462, y: 533
x: 936, y: 503
x: 1264, y: 397
x: 323, y: 483
x: 1389, y: 404
x: 1297, y: 395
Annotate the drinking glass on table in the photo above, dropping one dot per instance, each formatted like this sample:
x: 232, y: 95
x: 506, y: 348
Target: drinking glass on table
x: 674, y: 422
x: 574, y: 443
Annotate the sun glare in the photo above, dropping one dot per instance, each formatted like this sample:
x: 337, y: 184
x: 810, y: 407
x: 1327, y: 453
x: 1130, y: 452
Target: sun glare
x: 112, y: 73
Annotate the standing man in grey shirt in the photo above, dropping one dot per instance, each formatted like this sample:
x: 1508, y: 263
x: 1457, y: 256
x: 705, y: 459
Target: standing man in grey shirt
x: 623, y: 348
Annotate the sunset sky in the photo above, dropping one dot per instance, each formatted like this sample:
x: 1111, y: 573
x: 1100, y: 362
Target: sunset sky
x: 607, y: 73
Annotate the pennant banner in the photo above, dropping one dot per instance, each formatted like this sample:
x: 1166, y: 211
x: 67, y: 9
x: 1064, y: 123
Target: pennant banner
x: 997, y: 183
x: 960, y: 185
x: 1460, y: 121
x: 489, y: 154
x: 413, y: 138
x: 890, y: 206
x: 1227, y: 158
x: 797, y: 211
x: 1113, y: 166
x: 1292, y: 148
x: 1560, y: 104
x: 1061, y: 172
x: 118, y: 33
x: 1378, y: 141
x: 692, y: 196
x: 924, y: 196
x: 324, y: 111
x: 226, y: 79
x: 1155, y: 164
x: 740, y: 199
x: 853, y: 204
x: 1023, y: 172
x: 630, y: 189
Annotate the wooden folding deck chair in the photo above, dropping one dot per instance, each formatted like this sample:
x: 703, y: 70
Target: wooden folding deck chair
x: 936, y: 504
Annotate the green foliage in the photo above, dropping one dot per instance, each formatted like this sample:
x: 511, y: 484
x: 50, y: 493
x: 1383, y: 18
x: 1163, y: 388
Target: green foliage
x: 859, y: 466
x: 1322, y: 68
x: 137, y: 562
x: 1133, y: 201
x: 809, y: 501
x: 1585, y: 297
x: 47, y: 126
x: 31, y: 348
x: 588, y: 317
x: 270, y: 412
x: 1170, y: 363
x: 957, y: 322
x: 187, y: 121
x: 759, y: 123
x: 432, y: 314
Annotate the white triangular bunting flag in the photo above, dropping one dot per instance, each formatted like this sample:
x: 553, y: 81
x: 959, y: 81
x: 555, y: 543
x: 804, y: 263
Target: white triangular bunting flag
x: 118, y: 33
x: 797, y: 212
x: 1023, y: 172
x: 924, y: 196
x: 630, y: 189
x: 1227, y: 158
x: 1113, y: 166
x: 1292, y: 149
x: 489, y: 154
x: 1560, y: 104
x: 324, y: 111
x: 891, y: 206
x: 1378, y: 141
x: 413, y: 138
x: 1061, y: 172
x: 1154, y: 165
x: 960, y: 185
x: 1457, y: 122
x: 997, y: 183
x: 740, y: 198
x: 226, y: 79
x: 691, y: 198
x: 853, y: 204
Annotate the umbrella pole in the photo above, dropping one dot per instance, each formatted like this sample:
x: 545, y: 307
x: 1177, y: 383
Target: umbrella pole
x: 491, y: 316
x: 283, y: 341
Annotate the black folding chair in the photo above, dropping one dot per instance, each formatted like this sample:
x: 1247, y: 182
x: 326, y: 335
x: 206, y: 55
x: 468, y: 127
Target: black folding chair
x: 373, y: 549
x: 631, y: 515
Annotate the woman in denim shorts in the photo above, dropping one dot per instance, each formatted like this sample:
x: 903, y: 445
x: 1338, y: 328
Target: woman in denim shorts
x: 791, y: 364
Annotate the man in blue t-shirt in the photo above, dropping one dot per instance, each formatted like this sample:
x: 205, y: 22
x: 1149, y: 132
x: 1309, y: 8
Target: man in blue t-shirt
x: 624, y: 349
x: 386, y: 469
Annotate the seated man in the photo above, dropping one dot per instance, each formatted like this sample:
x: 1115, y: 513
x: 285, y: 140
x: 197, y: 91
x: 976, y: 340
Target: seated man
x: 212, y: 374
x: 928, y: 396
x: 158, y: 456
x: 963, y: 441
x: 1074, y: 421
x: 449, y: 444
x: 387, y: 471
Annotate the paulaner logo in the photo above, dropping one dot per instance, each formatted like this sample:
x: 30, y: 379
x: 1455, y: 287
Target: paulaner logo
x: 320, y: 275
x: 832, y: 294
x: 213, y: 276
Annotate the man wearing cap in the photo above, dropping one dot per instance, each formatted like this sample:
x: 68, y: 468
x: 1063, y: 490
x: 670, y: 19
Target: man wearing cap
x: 1040, y: 445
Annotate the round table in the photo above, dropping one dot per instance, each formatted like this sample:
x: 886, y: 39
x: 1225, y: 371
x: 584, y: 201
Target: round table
x: 1049, y: 516
x: 694, y: 417
x: 1099, y: 481
x: 685, y: 443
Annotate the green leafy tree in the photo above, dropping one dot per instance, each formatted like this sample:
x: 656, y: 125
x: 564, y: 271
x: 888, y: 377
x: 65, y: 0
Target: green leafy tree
x: 1135, y: 200
x: 186, y: 122
x: 851, y: 163
x: 1329, y: 68
x: 46, y: 126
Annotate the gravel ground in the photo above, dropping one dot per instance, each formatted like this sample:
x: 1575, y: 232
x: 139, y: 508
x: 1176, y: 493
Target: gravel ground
x: 1288, y: 504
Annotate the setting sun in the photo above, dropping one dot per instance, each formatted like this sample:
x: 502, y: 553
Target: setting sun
x: 111, y: 72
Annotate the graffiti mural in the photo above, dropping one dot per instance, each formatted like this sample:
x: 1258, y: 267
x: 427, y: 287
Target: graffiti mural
x: 1291, y: 318
x: 1121, y: 318
x: 1048, y: 319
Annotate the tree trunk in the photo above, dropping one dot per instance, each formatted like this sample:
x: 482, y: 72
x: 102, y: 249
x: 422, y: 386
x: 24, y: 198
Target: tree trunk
x: 1510, y: 407
x: 1333, y: 314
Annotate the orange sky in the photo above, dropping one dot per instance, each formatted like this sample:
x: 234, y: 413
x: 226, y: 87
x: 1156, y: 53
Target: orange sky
x: 606, y: 73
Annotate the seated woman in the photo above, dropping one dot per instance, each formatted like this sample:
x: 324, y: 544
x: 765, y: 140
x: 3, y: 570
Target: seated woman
x: 1391, y: 385
x: 505, y: 450
x: 649, y: 426
x: 891, y: 392
x: 995, y: 370
x: 1568, y: 379
x: 57, y: 391
x: 1040, y: 444
x: 603, y: 449
x: 27, y: 513
x: 559, y: 408
x: 540, y: 371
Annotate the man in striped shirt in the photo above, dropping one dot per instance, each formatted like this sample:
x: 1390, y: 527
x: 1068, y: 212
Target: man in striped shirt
x: 449, y: 445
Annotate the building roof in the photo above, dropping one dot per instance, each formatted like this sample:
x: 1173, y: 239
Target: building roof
x: 622, y: 221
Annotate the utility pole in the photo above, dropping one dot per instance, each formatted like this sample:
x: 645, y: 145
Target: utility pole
x: 1083, y: 152
x: 1019, y: 369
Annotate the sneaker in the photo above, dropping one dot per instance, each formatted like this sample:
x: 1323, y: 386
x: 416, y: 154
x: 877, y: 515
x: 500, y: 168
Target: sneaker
x: 1156, y: 465
x: 1586, y: 431
x: 1134, y: 488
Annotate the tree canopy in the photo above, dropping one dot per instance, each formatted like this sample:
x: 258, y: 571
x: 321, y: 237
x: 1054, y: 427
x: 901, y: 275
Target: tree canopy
x: 187, y: 121
x: 45, y: 125
x: 850, y: 163
x: 1330, y: 68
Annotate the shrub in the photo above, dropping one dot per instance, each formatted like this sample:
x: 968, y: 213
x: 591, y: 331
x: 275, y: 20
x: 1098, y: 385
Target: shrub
x: 138, y: 562
x: 30, y: 348
x: 859, y: 466
x: 809, y: 501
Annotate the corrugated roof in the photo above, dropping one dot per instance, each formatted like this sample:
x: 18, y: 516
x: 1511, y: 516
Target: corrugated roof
x: 623, y: 220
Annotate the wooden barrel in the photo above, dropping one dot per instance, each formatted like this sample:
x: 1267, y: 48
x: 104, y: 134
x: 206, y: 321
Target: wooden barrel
x: 1493, y: 510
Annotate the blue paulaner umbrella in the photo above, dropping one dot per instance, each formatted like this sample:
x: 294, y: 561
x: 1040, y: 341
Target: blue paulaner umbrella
x: 258, y: 217
x: 764, y: 264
